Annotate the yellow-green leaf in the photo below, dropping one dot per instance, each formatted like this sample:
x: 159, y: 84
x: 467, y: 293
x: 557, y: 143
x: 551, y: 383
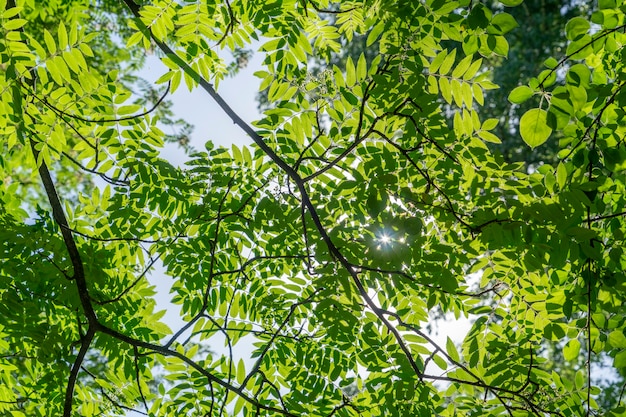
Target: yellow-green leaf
x: 533, y: 127
x: 462, y: 66
x: 361, y: 68
x: 466, y: 91
x: 241, y: 371
x: 447, y: 63
x: 571, y: 350
x: 561, y: 175
x: 489, y: 124
x: 579, y: 379
x: 350, y: 72
x: 62, y: 36
x: 451, y: 350
x: 489, y: 137
x: 446, y: 89
x: 617, y: 339
x: 520, y: 94
x: 434, y: 66
x: 457, y: 94
x: 375, y: 33
x: 576, y: 28
x: 50, y: 44
x: 473, y: 69
x: 13, y: 24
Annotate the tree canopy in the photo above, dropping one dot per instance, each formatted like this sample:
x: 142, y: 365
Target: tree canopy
x: 370, y: 203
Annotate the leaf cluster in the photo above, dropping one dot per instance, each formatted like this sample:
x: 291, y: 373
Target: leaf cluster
x: 326, y: 247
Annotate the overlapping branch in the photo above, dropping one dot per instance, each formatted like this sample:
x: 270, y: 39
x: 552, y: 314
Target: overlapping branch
x: 335, y: 252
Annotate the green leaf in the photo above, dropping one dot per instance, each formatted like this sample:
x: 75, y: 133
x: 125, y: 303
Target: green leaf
x: 561, y: 175
x: 9, y: 13
x: 413, y: 225
x: 473, y: 69
x: 237, y: 155
x: 361, y: 68
x: 54, y: 71
x: 479, y: 17
x: 501, y: 46
x: 571, y: 350
x: 443, y: 7
x: 14, y: 24
x: 470, y: 44
x: 534, y: 127
x: 547, y: 78
x: 607, y: 4
x: 441, y: 363
x: 62, y: 36
x: 71, y: 62
x: 511, y: 3
x: 447, y: 281
x: 579, y: 379
x: 489, y: 137
x: 489, y: 124
x: 520, y: 94
x: 620, y: 360
x: 576, y: 28
x: 447, y: 63
x: 503, y: 23
x: 241, y: 371
x: 551, y: 63
x: 375, y: 202
x: 478, y: 94
x: 617, y: 339
x: 446, y: 89
x: 50, y: 44
x: 466, y: 94
x: 451, y: 350
x: 375, y: 33
x: 581, y: 48
x: 554, y: 331
x: 461, y: 67
x: 457, y: 93
x: 577, y: 96
x: 436, y: 63
x: 350, y: 72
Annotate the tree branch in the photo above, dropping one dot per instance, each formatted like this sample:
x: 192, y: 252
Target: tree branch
x: 78, y: 362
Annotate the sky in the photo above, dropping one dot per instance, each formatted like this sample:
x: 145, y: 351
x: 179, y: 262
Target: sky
x: 210, y: 122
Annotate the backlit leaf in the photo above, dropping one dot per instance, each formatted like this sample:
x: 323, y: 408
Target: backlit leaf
x: 447, y: 63
x: 561, y: 175
x: 576, y: 28
x: 534, y: 127
x: 571, y: 350
x: 489, y: 137
x: 520, y: 94
x: 451, y: 350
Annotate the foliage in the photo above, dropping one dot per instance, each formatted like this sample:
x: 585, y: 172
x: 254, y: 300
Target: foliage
x: 534, y: 34
x: 328, y: 243
x: 538, y: 36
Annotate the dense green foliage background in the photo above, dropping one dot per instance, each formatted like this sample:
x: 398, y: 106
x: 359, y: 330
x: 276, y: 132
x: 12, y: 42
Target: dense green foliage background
x: 373, y: 200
